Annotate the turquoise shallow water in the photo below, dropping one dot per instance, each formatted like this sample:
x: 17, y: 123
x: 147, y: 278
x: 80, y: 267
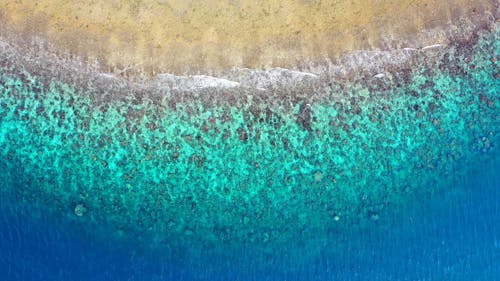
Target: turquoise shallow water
x: 224, y: 179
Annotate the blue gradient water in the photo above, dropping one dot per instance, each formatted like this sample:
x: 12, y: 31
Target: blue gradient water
x: 451, y: 237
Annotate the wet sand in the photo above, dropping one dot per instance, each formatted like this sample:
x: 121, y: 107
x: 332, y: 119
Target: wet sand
x: 205, y: 36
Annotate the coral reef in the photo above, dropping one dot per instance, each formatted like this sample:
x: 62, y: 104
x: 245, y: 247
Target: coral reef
x: 212, y: 166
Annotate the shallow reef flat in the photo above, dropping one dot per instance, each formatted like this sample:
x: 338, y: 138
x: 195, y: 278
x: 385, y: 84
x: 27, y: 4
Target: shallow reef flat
x: 179, y: 36
x: 250, y: 158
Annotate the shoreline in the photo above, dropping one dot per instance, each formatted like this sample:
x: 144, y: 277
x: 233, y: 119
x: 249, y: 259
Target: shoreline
x: 126, y: 65
x: 41, y: 57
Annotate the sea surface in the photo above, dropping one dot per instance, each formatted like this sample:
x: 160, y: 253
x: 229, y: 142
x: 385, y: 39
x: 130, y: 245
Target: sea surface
x: 451, y: 237
x: 385, y: 168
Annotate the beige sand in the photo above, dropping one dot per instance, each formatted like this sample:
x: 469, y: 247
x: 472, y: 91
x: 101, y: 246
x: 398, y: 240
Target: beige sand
x: 181, y: 36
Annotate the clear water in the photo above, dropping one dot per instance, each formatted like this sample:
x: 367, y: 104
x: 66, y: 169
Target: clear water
x: 450, y: 238
x: 358, y: 178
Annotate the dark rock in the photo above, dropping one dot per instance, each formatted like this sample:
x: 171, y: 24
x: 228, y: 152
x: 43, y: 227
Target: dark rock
x: 304, y: 118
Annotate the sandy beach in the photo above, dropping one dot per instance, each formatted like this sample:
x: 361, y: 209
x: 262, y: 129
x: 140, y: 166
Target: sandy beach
x: 204, y: 36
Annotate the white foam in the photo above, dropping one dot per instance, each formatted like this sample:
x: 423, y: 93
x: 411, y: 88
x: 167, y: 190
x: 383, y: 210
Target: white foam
x: 205, y: 81
x: 108, y: 75
x: 274, y: 77
x: 435, y: 46
x: 194, y: 82
x: 3, y: 44
x: 295, y: 73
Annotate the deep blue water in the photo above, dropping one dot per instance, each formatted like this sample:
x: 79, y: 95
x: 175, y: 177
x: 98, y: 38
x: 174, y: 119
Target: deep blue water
x: 453, y: 236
